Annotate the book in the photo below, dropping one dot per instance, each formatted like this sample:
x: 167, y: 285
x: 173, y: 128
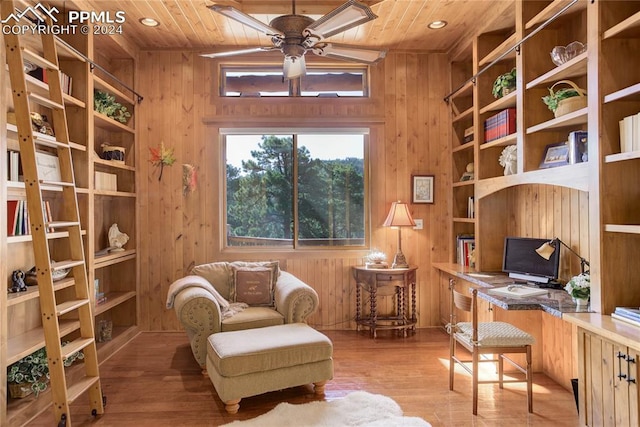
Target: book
x: 14, y: 166
x: 629, y: 312
x: 19, y: 218
x: 635, y: 141
x: 12, y: 206
x: 48, y: 216
x: 626, y: 134
x: 625, y: 319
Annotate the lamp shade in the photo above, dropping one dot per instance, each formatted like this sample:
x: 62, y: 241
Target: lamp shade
x: 546, y: 250
x: 399, y: 216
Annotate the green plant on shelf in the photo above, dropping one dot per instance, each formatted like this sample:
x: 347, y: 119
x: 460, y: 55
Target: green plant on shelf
x: 504, y: 84
x: 106, y: 104
x: 33, y: 370
x: 553, y: 99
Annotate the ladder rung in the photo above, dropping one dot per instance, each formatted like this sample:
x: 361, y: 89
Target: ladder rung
x: 53, y: 143
x: 68, y: 306
x: 62, y: 265
x: 56, y: 183
x: 79, y: 387
x: 75, y: 346
x: 38, y: 60
x: 62, y: 224
x: 45, y: 102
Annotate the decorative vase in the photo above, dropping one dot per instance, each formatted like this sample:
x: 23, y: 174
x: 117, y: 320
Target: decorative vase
x: 581, y: 302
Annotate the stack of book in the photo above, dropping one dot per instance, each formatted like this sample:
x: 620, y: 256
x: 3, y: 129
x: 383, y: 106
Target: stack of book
x: 13, y: 166
x: 627, y: 314
x: 18, y: 222
x: 630, y: 133
x: 465, y: 245
x: 500, y: 125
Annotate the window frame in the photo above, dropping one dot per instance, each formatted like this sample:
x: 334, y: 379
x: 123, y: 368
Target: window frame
x: 294, y: 84
x: 295, y: 247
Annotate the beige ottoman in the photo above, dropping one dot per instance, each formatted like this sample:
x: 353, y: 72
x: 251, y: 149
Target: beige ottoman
x: 255, y: 361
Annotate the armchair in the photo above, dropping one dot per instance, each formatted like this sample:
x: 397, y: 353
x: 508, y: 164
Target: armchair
x: 200, y: 313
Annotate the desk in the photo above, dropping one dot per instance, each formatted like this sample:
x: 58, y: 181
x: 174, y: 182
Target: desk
x: 399, y: 281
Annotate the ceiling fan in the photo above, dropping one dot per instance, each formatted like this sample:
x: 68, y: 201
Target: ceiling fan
x: 294, y: 35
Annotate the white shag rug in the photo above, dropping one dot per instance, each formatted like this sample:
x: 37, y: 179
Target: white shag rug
x: 358, y: 408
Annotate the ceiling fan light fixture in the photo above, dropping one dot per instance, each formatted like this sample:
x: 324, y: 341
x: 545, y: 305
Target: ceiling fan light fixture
x: 349, y: 53
x: 436, y: 25
x: 245, y: 19
x: 347, y: 16
x: 294, y: 67
x: 149, y: 22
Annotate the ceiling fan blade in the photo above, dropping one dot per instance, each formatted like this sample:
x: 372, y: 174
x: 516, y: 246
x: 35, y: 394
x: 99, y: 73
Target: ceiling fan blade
x: 294, y: 67
x: 243, y: 18
x: 349, y: 53
x: 238, y: 52
x: 342, y: 18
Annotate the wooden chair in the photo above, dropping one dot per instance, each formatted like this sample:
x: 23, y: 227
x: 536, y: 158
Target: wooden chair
x: 490, y: 339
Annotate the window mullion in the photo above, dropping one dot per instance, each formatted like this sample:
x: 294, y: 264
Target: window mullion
x: 295, y: 190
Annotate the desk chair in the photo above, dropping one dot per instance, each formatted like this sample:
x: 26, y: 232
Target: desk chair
x: 490, y: 338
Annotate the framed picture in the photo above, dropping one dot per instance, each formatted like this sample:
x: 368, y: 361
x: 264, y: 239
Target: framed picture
x: 555, y: 155
x: 48, y: 166
x: 422, y: 189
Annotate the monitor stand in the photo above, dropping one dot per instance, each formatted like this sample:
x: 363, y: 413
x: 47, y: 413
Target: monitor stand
x: 552, y: 284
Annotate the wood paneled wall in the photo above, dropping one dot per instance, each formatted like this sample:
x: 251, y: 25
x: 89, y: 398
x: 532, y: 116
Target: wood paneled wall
x: 409, y: 124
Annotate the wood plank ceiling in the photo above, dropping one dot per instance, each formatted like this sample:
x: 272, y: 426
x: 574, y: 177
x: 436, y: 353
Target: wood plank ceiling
x: 401, y: 24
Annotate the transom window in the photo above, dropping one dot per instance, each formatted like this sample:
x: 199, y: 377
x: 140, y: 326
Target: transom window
x: 318, y: 82
x: 296, y: 190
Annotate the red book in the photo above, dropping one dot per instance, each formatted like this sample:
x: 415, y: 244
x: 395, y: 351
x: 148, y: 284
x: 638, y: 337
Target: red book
x: 12, y: 208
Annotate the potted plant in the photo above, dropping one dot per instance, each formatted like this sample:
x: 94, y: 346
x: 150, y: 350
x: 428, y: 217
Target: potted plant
x: 579, y: 287
x: 31, y: 373
x: 504, y: 84
x: 106, y: 104
x: 555, y: 99
x: 28, y: 375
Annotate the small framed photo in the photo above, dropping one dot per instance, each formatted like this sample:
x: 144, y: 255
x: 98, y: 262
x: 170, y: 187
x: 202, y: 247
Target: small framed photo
x: 422, y: 189
x: 555, y: 155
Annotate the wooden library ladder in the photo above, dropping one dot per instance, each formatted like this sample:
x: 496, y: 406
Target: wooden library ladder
x: 78, y: 307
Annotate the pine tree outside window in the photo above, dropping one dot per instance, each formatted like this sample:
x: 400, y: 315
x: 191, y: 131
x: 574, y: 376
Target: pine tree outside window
x: 303, y: 190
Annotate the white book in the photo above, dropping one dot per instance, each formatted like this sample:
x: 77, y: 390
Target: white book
x: 626, y: 135
x: 635, y: 145
x: 14, y: 167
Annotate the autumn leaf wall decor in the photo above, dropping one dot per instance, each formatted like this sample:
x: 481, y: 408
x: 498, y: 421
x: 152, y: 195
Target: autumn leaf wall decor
x: 162, y: 157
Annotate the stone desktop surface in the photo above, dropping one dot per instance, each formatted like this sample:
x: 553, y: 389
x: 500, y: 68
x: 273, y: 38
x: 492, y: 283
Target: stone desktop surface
x: 554, y: 301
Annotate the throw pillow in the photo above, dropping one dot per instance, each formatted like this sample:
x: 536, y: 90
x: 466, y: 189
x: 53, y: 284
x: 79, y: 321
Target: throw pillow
x: 253, y: 286
x: 273, y: 266
x: 219, y: 274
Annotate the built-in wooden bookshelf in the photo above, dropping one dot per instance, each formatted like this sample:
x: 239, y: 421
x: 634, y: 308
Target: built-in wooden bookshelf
x: 117, y: 272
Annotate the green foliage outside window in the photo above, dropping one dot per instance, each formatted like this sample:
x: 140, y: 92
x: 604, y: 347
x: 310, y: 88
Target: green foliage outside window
x: 260, y: 197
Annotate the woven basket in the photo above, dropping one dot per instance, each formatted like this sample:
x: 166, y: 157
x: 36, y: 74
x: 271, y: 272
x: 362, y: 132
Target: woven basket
x: 574, y: 103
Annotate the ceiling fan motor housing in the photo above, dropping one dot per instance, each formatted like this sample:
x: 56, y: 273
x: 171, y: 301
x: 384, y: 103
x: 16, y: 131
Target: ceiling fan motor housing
x: 292, y: 27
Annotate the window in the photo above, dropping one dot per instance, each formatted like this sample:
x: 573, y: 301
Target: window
x: 296, y: 190
x: 318, y: 82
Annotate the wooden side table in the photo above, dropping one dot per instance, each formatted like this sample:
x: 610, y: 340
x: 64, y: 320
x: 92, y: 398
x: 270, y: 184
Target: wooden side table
x: 371, y: 280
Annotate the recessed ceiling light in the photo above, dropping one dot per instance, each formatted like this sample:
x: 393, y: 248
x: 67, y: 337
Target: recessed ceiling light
x: 149, y: 22
x: 436, y: 25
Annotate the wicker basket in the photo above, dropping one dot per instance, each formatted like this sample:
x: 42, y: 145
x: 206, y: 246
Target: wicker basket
x: 574, y: 103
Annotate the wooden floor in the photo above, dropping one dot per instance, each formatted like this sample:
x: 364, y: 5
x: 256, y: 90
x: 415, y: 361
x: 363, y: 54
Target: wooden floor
x: 154, y: 381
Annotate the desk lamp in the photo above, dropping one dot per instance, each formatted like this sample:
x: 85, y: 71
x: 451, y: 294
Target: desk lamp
x: 547, y: 249
x: 399, y: 217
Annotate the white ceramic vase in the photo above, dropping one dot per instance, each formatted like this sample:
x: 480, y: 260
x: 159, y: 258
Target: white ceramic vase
x: 581, y: 302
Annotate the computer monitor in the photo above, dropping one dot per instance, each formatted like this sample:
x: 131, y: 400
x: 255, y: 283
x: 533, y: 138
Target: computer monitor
x: 522, y: 262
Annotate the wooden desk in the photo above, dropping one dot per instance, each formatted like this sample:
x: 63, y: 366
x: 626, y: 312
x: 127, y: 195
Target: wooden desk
x: 373, y: 280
